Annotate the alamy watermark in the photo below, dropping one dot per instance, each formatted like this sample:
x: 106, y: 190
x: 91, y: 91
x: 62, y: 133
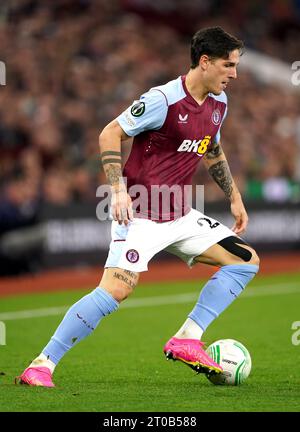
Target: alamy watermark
x: 2, y: 333
x: 157, y: 202
x: 296, y: 334
x: 296, y: 75
x: 2, y: 73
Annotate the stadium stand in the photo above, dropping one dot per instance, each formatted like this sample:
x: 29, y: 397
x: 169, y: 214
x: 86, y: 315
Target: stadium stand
x: 72, y: 66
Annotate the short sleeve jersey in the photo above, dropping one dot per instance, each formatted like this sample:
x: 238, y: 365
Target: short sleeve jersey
x: 172, y: 132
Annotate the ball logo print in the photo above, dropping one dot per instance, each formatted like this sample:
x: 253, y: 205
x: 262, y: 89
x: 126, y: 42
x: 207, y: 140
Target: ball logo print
x: 235, y: 360
x: 132, y: 256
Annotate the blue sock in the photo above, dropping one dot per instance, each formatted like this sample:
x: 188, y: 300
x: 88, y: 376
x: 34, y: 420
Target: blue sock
x: 80, y: 320
x: 220, y: 291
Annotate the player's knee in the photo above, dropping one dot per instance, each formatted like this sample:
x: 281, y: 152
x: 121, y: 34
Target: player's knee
x: 250, y: 256
x: 119, y: 283
x: 121, y: 292
x: 240, y: 249
x: 122, y: 287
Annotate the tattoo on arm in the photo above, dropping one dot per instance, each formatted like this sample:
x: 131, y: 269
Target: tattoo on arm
x: 131, y: 274
x: 113, y: 173
x: 110, y: 153
x: 221, y: 174
x: 128, y: 281
x: 111, y: 161
x: 214, y: 152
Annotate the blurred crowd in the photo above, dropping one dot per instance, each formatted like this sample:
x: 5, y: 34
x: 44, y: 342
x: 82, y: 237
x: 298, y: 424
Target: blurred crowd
x: 74, y: 65
x: 271, y: 26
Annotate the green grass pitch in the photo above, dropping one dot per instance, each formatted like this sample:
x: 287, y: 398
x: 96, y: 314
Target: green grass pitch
x: 121, y: 367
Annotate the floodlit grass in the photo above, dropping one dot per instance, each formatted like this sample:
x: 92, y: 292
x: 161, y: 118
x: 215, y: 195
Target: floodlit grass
x: 121, y: 367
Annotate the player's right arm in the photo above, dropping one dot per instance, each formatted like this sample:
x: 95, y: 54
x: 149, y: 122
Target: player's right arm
x: 148, y: 113
x: 110, y: 150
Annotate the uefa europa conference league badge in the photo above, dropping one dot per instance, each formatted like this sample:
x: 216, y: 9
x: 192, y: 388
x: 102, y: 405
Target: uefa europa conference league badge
x: 138, y: 109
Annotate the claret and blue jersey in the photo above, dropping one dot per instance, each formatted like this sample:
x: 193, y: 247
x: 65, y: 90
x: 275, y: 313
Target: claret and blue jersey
x: 171, y: 134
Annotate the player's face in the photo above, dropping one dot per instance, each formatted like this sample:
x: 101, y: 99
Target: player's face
x: 221, y: 71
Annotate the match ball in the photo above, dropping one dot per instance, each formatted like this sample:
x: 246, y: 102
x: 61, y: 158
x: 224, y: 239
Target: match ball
x: 234, y: 359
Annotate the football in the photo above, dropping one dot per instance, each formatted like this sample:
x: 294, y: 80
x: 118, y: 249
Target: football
x: 234, y: 359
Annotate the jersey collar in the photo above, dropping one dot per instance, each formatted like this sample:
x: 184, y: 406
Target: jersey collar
x: 190, y: 98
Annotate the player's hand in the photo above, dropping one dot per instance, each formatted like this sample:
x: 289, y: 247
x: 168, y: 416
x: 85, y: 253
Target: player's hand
x: 239, y: 213
x: 121, y: 205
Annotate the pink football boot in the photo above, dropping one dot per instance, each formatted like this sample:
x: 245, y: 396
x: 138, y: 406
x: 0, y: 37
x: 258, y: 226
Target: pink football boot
x: 191, y: 352
x: 36, y: 376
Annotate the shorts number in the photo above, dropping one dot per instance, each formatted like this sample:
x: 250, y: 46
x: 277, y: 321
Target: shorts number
x: 211, y: 224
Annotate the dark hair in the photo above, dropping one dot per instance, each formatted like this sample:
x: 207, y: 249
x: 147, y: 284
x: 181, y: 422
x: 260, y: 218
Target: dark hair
x: 214, y: 42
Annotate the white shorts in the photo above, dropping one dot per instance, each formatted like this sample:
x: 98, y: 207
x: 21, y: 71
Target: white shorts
x: 133, y: 246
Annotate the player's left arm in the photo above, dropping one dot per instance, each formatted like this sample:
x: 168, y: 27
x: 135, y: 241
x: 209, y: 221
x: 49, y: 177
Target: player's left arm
x: 217, y: 165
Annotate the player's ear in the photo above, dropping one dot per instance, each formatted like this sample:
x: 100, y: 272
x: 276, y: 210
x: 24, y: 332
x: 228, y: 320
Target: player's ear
x: 204, y: 62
